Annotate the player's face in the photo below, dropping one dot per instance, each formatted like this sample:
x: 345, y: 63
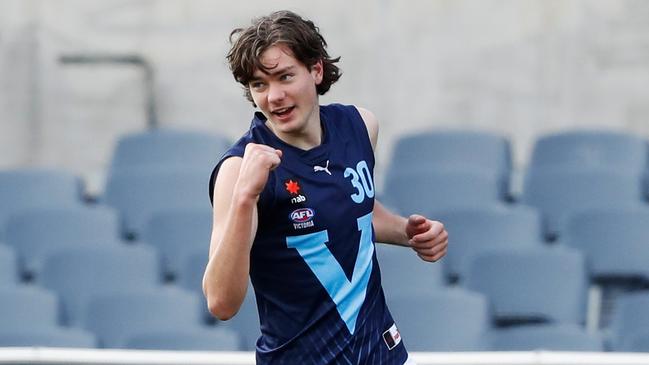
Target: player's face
x: 286, y: 93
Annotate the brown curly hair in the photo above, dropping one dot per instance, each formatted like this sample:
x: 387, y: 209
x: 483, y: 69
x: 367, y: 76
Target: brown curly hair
x: 284, y: 27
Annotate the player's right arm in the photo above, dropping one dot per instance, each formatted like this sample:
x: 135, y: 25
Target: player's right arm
x: 238, y: 185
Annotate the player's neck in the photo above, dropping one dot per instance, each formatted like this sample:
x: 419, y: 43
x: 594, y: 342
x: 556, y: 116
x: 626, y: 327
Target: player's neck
x: 306, y: 138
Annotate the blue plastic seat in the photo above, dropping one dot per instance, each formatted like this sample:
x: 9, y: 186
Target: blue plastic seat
x: 500, y: 227
x: 637, y: 342
x: 461, y: 150
x: 116, y: 318
x: 22, y: 189
x: 191, y: 339
x: 590, y: 149
x: 48, y: 337
x: 35, y: 233
x: 27, y: 308
x: 190, y: 275
x: 176, y: 234
x: 402, y: 271
x: 168, y: 149
x: 77, y: 273
x: 630, y: 318
x: 443, y: 320
x: 8, y: 266
x: 138, y: 195
x: 531, y: 285
x: 426, y: 191
x: 562, y: 193
x: 561, y: 337
x: 615, y: 242
x: 246, y: 322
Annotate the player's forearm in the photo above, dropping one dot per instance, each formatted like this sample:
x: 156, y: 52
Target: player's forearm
x: 226, y: 276
x: 389, y: 227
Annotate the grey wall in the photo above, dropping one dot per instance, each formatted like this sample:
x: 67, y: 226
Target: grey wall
x: 518, y: 67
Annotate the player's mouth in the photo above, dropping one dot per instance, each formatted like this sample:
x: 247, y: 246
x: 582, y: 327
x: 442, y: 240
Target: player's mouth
x: 283, y: 114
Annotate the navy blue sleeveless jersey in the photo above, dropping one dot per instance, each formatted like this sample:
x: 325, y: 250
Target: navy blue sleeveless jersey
x: 313, y: 265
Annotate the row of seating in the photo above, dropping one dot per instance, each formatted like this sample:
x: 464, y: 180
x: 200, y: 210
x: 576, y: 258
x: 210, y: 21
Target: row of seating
x: 525, y: 286
x: 613, y: 242
x: 155, y: 208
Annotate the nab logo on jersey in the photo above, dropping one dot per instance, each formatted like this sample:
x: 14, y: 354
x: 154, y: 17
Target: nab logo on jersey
x: 302, y: 218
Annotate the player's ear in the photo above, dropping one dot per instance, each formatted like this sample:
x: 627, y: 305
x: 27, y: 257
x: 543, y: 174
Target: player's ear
x: 317, y: 70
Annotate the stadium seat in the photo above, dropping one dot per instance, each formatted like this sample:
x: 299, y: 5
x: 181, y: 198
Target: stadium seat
x: 561, y: 193
x: 443, y: 320
x: 638, y: 342
x: 461, y: 150
x: 500, y: 227
x: 115, y: 318
x: 531, y: 285
x: 22, y: 189
x: 615, y: 242
x: 402, y: 271
x: 140, y: 194
x: 48, y: 337
x: 25, y: 307
x: 170, y: 149
x: 630, y: 318
x: 246, y: 321
x: 191, y: 339
x: 35, y: 233
x: 562, y: 337
x: 590, y: 149
x: 176, y: 234
x: 190, y: 276
x: 426, y: 191
x: 8, y: 266
x: 78, y: 273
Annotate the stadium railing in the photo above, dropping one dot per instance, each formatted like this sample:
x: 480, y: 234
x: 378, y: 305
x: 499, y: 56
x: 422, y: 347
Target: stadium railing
x: 38, y: 355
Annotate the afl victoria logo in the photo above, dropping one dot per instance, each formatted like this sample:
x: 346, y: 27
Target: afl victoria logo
x: 302, y: 215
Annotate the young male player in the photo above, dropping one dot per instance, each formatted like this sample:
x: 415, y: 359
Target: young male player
x: 294, y: 209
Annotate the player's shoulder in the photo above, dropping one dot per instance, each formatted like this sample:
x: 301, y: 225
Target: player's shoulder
x: 371, y: 123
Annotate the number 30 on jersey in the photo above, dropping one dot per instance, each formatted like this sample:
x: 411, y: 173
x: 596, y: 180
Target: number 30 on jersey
x: 361, y: 180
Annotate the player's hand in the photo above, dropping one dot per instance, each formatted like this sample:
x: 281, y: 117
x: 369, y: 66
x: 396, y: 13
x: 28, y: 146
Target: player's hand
x: 258, y: 161
x: 428, y: 238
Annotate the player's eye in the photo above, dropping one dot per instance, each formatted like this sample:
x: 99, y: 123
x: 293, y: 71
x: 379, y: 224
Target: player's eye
x: 286, y: 77
x: 257, y: 85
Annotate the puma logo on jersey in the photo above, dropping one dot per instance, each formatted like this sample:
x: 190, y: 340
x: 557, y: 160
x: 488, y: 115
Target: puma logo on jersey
x: 324, y: 168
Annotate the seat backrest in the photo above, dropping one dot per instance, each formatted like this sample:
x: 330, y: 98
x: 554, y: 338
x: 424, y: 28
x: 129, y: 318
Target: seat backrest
x: 444, y: 320
x: 246, y: 322
x: 8, y: 266
x: 168, y: 148
x: 115, y: 318
x: 27, y: 308
x: 561, y: 193
x: 23, y: 189
x: 476, y: 230
x: 615, y: 242
x: 630, y: 317
x: 553, y: 337
x: 636, y: 342
x: 453, y: 148
x: 190, y: 275
x: 35, y: 233
x: 588, y: 149
x: 531, y: 285
x: 402, y: 271
x: 195, y: 339
x: 177, y: 234
x: 76, y: 273
x: 48, y: 337
x: 433, y: 190
x: 140, y: 194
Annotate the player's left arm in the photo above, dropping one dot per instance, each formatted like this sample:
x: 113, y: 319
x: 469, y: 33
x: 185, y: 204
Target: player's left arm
x: 427, y: 237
